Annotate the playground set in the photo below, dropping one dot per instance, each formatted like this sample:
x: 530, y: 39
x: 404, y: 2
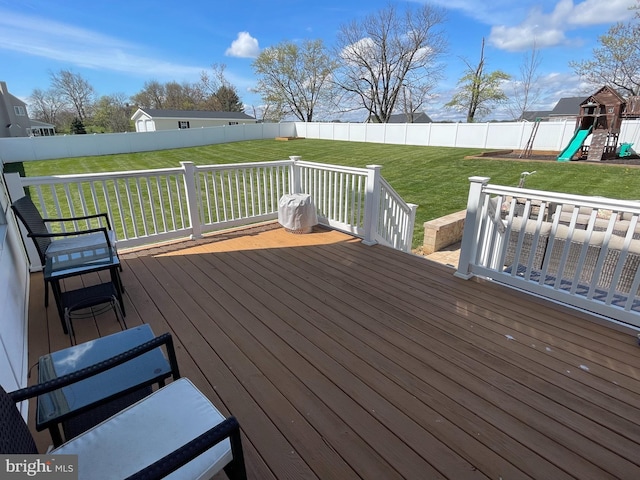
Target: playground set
x: 599, y: 120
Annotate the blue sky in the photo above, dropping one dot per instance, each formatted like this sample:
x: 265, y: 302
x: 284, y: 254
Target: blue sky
x: 118, y: 45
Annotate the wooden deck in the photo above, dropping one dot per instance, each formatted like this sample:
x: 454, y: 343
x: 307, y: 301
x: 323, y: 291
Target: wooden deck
x: 345, y: 361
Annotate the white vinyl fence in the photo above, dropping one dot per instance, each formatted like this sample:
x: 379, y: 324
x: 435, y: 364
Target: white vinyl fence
x: 23, y: 149
x: 551, y: 136
x: 150, y: 206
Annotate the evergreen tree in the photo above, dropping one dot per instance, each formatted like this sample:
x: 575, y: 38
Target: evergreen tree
x: 77, y: 127
x: 228, y: 99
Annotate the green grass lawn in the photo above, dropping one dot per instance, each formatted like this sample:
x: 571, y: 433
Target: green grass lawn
x: 435, y: 178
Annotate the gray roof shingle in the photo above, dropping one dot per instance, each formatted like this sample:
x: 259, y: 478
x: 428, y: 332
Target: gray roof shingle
x: 185, y: 114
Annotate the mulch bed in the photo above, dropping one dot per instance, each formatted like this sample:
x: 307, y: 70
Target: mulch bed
x: 551, y: 157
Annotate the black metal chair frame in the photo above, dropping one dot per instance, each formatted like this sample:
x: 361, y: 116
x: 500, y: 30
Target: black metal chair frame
x: 85, y: 418
x: 16, y: 438
x: 37, y: 230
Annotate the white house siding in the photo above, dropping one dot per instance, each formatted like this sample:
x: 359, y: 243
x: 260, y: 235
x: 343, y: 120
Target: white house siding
x: 14, y: 294
x: 172, y: 123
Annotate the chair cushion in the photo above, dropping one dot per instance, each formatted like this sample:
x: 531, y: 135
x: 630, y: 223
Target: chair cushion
x: 80, y: 242
x: 147, y: 431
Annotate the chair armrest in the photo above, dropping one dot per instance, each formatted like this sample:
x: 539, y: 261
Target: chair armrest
x: 83, y: 217
x: 229, y: 428
x: 74, y: 377
x: 75, y: 233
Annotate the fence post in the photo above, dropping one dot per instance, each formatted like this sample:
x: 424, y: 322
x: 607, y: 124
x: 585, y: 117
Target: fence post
x: 471, y: 227
x: 372, y: 204
x: 296, y: 180
x: 192, y: 198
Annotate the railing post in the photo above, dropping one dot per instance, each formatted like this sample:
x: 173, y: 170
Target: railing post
x: 410, y: 226
x: 192, y: 198
x: 471, y: 227
x: 372, y: 204
x: 296, y: 180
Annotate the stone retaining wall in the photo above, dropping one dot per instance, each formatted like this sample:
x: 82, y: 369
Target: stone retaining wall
x: 442, y: 232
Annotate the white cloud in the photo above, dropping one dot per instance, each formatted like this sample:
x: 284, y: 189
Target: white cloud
x: 549, y: 29
x: 579, y: 12
x: 30, y: 35
x: 523, y: 37
x: 245, y: 46
x: 598, y: 12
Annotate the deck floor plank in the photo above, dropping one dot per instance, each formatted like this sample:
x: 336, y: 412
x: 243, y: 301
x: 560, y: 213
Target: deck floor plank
x: 483, y: 390
x: 346, y: 361
x: 307, y: 339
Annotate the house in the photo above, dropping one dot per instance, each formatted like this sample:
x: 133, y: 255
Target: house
x: 14, y: 120
x: 152, y: 119
x: 533, y: 115
x: 567, y: 108
x: 416, y: 117
x: 42, y: 129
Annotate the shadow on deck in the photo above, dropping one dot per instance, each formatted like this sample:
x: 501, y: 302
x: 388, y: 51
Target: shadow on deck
x: 346, y: 361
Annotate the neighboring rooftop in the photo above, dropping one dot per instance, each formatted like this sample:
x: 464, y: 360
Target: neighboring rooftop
x: 417, y: 117
x: 567, y: 106
x: 160, y: 113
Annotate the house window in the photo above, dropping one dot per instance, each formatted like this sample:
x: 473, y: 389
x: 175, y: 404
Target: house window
x: 610, y: 109
x: 19, y: 110
x: 183, y: 124
x: 233, y: 123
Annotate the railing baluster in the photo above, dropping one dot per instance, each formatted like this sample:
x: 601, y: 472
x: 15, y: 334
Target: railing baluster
x: 149, y: 204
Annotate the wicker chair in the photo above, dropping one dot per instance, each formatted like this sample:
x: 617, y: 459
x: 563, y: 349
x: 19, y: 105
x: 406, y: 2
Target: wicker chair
x: 576, y: 240
x: 175, y: 429
x: 48, y: 244
x: 594, y: 248
x: 530, y: 228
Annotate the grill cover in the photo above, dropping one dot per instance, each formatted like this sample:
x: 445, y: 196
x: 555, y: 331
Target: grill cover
x: 297, y: 213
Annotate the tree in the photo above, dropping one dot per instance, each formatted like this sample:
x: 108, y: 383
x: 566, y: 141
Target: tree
x: 77, y: 127
x: 210, y: 83
x: 181, y: 96
x: 296, y: 77
x: 228, y: 99
x: 478, y: 89
x: 151, y: 96
x: 616, y: 62
x: 387, y: 53
x: 525, y: 89
x: 45, y: 105
x: 76, y: 91
x: 112, y: 112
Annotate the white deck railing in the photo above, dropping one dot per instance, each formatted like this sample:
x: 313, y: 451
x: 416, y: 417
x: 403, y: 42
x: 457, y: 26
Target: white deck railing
x: 583, y: 251
x: 149, y: 206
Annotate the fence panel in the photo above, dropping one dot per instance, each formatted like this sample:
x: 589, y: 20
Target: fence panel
x: 150, y: 206
x: 337, y: 192
x: 141, y: 204
x: 395, y: 220
x: 230, y: 195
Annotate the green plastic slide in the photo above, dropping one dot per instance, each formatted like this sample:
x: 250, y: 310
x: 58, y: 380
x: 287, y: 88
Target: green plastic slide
x: 576, y: 142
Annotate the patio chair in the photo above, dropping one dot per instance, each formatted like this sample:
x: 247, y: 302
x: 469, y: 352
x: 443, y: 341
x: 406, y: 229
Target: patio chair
x: 174, y: 429
x: 49, y: 244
